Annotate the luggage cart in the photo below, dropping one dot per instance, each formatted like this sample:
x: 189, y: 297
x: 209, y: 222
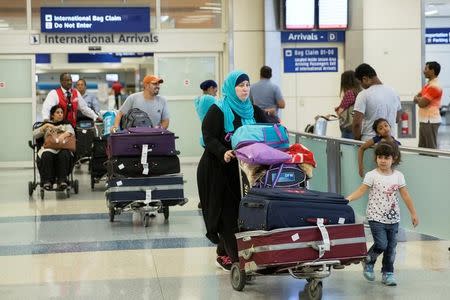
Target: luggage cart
x: 320, y: 124
x: 304, y: 253
x: 145, y: 195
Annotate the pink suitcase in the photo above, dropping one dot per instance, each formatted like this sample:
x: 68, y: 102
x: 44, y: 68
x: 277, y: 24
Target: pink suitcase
x: 288, y: 247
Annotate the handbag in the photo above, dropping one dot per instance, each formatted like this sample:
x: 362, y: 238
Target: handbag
x: 274, y: 135
x: 346, y: 118
x: 52, y: 141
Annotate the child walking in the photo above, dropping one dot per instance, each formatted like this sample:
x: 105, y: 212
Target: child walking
x: 383, y: 211
x: 383, y: 130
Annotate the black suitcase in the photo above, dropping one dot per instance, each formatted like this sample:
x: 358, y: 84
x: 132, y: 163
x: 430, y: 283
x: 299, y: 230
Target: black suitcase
x: 130, y: 166
x: 97, y: 165
x: 167, y: 189
x: 85, y: 138
x: 267, y: 209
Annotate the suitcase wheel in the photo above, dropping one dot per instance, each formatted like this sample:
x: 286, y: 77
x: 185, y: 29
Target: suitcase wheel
x: 92, y: 182
x: 238, y: 277
x: 30, y: 188
x: 166, y: 212
x: 112, y: 213
x: 313, y: 289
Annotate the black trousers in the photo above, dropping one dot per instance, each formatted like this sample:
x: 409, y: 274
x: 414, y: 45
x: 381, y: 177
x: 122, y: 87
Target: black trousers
x: 55, y: 167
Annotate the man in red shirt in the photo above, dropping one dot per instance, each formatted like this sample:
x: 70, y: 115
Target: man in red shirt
x: 116, y: 87
x: 429, y: 102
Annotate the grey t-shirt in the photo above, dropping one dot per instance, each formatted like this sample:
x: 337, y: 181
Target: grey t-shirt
x: 265, y: 94
x: 156, y: 109
x: 378, y: 101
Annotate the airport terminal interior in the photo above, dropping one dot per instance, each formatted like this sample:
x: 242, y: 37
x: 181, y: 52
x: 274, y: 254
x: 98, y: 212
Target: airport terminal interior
x: 59, y: 245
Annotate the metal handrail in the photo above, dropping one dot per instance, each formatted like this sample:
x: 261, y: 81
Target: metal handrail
x: 355, y: 142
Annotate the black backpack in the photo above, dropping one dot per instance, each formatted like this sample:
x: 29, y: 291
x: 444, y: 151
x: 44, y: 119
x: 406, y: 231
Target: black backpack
x: 136, y: 118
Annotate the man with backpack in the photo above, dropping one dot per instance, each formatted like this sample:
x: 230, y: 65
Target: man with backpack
x: 147, y: 101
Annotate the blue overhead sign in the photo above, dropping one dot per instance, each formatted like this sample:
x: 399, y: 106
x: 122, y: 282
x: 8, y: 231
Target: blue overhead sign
x: 95, y: 19
x: 436, y: 36
x: 318, y: 36
x: 306, y: 60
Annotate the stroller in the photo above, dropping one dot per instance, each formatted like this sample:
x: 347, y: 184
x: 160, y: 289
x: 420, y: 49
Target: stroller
x: 320, y: 124
x: 36, y: 144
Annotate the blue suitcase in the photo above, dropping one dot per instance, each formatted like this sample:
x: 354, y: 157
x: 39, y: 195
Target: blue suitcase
x: 268, y: 209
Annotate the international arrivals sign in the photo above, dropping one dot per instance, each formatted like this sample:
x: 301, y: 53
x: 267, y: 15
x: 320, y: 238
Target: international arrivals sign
x: 95, y: 19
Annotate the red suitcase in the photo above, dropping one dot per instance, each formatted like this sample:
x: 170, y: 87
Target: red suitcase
x: 288, y: 247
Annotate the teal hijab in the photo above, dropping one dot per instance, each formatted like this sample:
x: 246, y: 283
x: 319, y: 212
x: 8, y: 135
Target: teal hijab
x: 202, y: 105
x: 230, y: 102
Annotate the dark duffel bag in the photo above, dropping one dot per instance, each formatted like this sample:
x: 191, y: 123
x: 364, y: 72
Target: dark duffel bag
x: 97, y: 166
x: 267, y: 209
x: 99, y: 147
x: 131, y: 166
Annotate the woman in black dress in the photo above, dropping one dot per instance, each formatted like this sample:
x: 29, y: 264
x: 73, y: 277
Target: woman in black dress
x: 218, y: 174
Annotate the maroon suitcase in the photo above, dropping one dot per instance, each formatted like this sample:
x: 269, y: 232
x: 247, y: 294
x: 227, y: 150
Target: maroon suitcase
x: 131, y: 141
x: 288, y: 247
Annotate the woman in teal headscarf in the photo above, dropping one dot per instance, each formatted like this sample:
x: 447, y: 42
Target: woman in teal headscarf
x: 203, y: 103
x: 217, y: 176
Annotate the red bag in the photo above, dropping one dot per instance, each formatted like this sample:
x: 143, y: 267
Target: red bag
x: 300, y: 154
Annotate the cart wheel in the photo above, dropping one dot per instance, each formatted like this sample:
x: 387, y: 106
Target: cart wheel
x: 146, y: 220
x: 166, y: 212
x: 42, y: 194
x: 75, y: 186
x: 92, y: 182
x: 313, y: 290
x: 30, y: 188
x: 238, y: 277
x: 112, y: 213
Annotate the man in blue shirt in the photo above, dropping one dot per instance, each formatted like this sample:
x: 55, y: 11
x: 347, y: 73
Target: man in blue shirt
x: 91, y: 99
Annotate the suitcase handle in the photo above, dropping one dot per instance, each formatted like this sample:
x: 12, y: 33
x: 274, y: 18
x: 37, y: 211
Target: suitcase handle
x: 253, y: 205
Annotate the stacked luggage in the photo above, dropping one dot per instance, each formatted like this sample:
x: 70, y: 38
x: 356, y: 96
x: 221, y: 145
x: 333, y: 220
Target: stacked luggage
x: 97, y: 166
x: 143, y: 172
x: 286, y: 228
x: 85, y: 134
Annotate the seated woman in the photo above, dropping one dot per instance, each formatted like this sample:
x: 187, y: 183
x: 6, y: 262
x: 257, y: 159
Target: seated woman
x: 54, y: 165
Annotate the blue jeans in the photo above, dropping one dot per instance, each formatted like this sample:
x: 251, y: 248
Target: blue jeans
x: 347, y: 134
x: 385, y: 241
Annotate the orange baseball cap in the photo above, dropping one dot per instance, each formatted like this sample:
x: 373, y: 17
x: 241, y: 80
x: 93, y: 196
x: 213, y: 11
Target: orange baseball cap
x: 152, y: 79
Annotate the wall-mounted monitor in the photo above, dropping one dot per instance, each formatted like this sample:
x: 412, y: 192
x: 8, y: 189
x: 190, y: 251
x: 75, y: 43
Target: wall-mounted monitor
x: 112, y: 77
x: 299, y: 14
x: 333, y: 14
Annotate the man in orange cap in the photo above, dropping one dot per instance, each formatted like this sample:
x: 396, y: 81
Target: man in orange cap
x: 149, y: 101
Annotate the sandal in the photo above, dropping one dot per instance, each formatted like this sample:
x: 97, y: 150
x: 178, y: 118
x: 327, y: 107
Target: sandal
x: 62, y: 186
x: 47, y: 186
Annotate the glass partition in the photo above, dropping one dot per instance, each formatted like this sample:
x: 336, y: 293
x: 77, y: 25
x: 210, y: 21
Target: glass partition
x: 13, y: 15
x: 427, y: 179
x: 319, y: 181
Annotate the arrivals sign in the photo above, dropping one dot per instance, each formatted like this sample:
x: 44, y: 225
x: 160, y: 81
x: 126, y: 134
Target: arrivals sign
x: 316, y: 36
x: 95, y: 19
x: 306, y: 60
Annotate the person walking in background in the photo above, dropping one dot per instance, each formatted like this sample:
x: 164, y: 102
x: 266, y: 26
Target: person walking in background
x: 148, y: 101
x: 429, y: 102
x: 350, y: 88
x: 267, y: 95
x: 70, y: 101
x: 202, y: 105
x: 91, y: 99
x: 218, y: 183
x: 117, y: 88
x: 375, y: 101
x: 383, y: 210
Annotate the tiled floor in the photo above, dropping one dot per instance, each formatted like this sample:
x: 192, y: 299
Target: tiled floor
x: 60, y: 248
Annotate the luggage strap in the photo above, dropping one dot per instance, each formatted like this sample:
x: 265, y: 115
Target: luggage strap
x: 325, y: 245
